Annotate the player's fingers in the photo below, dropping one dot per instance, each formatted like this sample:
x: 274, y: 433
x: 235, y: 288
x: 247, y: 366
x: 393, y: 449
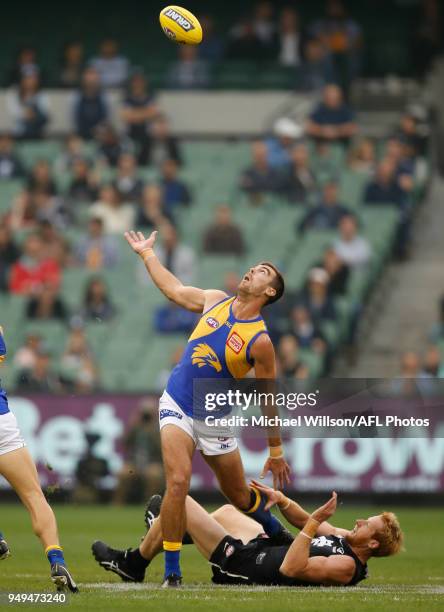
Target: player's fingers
x: 134, y: 235
x: 269, y: 505
x: 140, y: 236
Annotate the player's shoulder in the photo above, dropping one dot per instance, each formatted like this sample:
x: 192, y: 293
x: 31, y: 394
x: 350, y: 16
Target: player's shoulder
x: 213, y: 297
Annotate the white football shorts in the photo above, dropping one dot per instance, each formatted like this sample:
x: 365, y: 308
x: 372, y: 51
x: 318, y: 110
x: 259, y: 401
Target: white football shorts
x: 170, y: 413
x: 10, y: 436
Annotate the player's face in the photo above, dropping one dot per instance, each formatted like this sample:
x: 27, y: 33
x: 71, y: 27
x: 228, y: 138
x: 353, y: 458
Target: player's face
x: 257, y: 280
x: 365, y: 530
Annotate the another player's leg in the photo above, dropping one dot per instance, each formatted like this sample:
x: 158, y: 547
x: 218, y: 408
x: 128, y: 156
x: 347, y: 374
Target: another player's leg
x: 177, y: 452
x: 19, y: 470
x: 4, y: 548
x: 230, y: 473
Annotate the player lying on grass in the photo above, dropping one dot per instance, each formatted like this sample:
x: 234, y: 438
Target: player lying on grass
x: 240, y: 553
x: 229, y: 340
x: 17, y: 466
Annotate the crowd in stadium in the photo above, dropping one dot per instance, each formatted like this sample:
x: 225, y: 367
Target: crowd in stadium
x: 95, y: 185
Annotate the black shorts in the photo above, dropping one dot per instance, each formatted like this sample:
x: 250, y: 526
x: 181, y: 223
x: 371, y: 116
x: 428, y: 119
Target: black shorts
x: 236, y: 563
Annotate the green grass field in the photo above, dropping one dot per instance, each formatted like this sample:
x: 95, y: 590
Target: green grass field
x: 412, y: 581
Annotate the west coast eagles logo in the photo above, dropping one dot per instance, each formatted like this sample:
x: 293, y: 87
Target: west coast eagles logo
x: 204, y: 355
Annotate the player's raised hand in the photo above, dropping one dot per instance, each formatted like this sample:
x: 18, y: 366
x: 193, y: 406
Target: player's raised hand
x: 280, y: 470
x: 327, y: 510
x: 273, y: 496
x: 138, y: 242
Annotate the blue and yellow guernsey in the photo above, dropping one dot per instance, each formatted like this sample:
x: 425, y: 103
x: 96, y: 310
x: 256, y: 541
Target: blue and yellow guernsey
x: 219, y: 347
x: 3, y: 398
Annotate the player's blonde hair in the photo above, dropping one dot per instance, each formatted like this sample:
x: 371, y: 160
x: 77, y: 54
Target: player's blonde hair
x: 390, y: 537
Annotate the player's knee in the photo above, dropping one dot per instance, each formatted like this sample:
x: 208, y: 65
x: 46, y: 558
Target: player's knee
x: 224, y: 511
x: 178, y: 485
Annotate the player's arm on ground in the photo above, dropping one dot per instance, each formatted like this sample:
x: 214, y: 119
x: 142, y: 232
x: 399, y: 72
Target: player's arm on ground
x: 191, y: 298
x: 297, y: 563
x: 2, y: 346
x: 294, y: 513
x: 262, y: 354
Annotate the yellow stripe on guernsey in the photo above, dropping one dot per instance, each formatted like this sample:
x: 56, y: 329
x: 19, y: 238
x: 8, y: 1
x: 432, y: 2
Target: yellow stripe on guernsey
x: 219, y: 347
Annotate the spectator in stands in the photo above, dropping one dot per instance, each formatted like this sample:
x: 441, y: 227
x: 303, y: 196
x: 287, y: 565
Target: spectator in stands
x: 362, y: 157
x: 264, y: 25
x: 188, y: 71
x: 50, y: 208
x: 332, y: 120
x: 328, y: 213
x: 84, y: 183
x: 401, y: 154
x: 97, y: 304
x: 410, y: 132
x: 143, y: 461
x: 112, y: 68
x: 260, y: 177
x: 176, y: 193
x: 74, y: 149
x: 28, y: 107
x: 90, y: 105
x: 410, y: 365
x: 354, y: 250
x: 385, y: 188
x: 338, y: 272
x: 46, y: 304
x: 40, y: 378
x: 96, y: 251
x: 161, y: 145
x: 55, y: 245
x: 223, y: 236
x: 127, y: 183
x: 299, y: 182
x: 280, y: 145
x: 78, y: 371
x: 139, y: 110
x: 33, y: 270
x: 40, y: 179
x: 316, y: 299
x: 111, y: 146
x: 307, y: 333
x: 245, y: 44
x: 10, y: 165
x: 289, y: 38
x: 25, y: 356
x: 316, y: 69
x: 211, y: 49
x: 117, y: 216
x: 432, y: 363
x: 152, y: 214
x: 171, y: 319
x: 342, y: 35
x: 9, y: 254
x: 289, y: 364
x: 72, y: 64
x: 25, y: 63
x: 428, y: 35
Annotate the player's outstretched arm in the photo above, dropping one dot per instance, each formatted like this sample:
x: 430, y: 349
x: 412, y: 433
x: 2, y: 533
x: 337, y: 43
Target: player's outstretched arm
x: 298, y: 564
x: 295, y: 514
x: 191, y: 298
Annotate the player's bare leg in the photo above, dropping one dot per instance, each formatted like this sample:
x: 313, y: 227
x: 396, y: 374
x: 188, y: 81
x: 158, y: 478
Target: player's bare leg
x: 19, y: 470
x: 177, y: 452
x: 229, y: 471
